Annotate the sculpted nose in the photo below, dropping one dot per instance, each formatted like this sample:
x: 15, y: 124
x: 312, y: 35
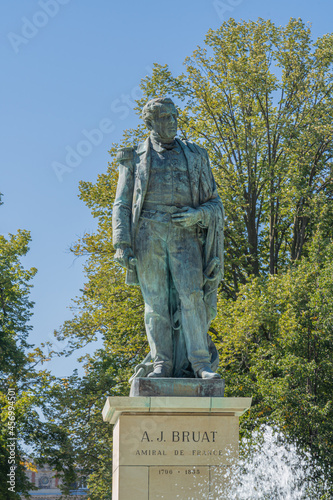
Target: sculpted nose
x: 173, y: 121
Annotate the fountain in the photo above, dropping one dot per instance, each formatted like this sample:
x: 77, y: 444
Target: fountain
x: 271, y: 468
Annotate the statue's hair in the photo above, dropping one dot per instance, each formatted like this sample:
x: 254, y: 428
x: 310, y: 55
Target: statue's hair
x: 149, y: 110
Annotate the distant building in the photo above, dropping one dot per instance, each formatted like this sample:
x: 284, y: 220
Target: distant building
x: 45, y: 480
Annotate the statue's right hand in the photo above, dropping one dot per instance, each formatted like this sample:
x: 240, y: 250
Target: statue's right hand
x: 125, y: 257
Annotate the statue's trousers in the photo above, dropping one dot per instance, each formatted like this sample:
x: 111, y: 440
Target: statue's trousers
x: 167, y: 250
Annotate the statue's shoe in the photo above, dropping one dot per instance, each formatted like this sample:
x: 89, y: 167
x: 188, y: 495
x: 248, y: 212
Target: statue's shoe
x: 159, y: 372
x: 207, y: 373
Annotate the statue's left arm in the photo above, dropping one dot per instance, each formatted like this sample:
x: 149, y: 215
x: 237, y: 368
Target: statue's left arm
x: 212, y: 220
x: 211, y: 203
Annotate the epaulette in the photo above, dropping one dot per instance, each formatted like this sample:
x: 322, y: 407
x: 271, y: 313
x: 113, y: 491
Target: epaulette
x: 125, y: 154
x: 194, y: 147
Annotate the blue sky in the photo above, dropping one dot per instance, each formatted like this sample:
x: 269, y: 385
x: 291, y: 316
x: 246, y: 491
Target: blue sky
x: 67, y: 67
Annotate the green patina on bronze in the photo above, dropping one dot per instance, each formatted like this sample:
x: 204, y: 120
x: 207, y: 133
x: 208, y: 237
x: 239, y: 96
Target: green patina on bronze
x: 168, y: 233
x: 177, y: 387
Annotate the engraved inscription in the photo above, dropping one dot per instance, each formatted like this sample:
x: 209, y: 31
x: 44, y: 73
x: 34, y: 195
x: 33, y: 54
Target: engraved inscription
x: 179, y: 482
x: 158, y: 440
x: 194, y: 436
x: 148, y: 453
x: 181, y: 437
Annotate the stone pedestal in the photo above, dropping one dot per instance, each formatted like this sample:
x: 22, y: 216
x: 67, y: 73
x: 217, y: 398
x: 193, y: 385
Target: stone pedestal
x: 180, y: 387
x: 172, y: 447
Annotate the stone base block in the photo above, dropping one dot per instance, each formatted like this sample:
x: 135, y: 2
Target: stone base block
x: 177, y: 387
x: 171, y: 447
x: 170, y: 483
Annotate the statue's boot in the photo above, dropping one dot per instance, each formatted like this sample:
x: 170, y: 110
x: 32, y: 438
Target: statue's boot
x: 207, y: 373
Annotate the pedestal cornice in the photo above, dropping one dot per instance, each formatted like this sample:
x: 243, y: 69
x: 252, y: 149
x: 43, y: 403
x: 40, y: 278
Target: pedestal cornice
x: 117, y: 405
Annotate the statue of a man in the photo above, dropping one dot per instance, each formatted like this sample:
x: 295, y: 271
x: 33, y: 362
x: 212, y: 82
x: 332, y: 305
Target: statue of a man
x: 168, y: 233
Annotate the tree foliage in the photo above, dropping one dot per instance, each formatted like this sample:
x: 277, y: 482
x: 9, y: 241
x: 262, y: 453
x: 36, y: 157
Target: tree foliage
x: 17, y: 375
x: 275, y: 343
x: 259, y: 98
x: 24, y: 384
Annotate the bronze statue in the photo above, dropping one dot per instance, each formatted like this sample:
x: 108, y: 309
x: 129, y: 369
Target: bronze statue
x: 168, y: 233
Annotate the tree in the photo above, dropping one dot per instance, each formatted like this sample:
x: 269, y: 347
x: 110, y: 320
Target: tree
x: 83, y: 443
x: 15, y: 311
x: 276, y: 344
x: 259, y: 98
x: 20, y: 383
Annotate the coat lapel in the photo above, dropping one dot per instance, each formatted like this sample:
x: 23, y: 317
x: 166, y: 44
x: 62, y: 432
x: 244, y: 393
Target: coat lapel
x: 193, y: 166
x: 143, y: 167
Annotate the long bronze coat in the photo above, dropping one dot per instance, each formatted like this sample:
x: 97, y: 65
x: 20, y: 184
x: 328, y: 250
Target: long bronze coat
x: 134, y: 169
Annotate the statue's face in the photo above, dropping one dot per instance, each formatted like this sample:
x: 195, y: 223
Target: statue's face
x: 165, y: 122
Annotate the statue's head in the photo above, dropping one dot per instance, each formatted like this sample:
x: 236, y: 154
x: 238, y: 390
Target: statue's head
x: 160, y: 116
